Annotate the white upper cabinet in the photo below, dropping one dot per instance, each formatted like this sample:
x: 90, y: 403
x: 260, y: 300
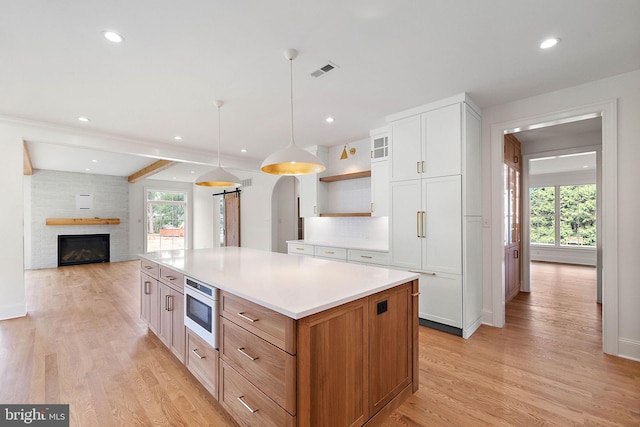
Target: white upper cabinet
x: 427, y: 145
x: 312, y: 194
x: 406, y: 150
x: 379, y: 147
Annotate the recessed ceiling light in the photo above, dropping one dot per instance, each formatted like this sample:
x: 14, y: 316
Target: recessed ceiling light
x: 94, y: 161
x: 244, y: 150
x: 549, y: 43
x: 193, y: 171
x: 175, y: 177
x: 329, y: 120
x: 88, y: 170
x: 84, y: 119
x: 177, y: 138
x: 113, y: 37
x: 585, y: 166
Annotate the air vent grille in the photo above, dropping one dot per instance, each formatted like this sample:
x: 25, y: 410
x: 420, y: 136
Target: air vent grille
x: 246, y: 182
x: 321, y: 71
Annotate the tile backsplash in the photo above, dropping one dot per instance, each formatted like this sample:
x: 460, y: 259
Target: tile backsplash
x: 360, y: 232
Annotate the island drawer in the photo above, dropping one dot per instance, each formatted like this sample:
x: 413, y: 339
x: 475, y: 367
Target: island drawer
x: 329, y: 252
x: 202, y: 361
x: 149, y: 267
x: 369, y: 257
x: 249, y: 406
x: 269, y: 325
x: 172, y: 277
x: 270, y: 369
x: 300, y: 249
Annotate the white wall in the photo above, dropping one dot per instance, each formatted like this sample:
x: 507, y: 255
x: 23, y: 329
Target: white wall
x: 12, y: 292
x: 53, y: 195
x: 255, y: 210
x: 284, y: 214
x: 626, y: 89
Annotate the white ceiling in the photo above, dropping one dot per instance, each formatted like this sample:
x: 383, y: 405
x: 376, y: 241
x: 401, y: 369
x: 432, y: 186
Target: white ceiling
x: 179, y: 57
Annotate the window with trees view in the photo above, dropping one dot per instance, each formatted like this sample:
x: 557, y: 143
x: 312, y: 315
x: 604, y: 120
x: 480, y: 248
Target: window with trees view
x: 166, y: 220
x: 563, y: 215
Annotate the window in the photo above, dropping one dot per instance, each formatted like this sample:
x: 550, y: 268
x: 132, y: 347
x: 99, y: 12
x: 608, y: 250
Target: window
x: 166, y: 220
x: 563, y: 215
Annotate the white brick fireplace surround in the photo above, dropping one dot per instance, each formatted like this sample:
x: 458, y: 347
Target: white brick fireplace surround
x: 53, y: 194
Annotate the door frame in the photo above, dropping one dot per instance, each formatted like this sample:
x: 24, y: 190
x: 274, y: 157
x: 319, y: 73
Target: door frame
x: 609, y: 230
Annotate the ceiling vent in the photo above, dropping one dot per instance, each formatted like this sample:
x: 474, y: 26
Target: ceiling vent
x: 324, y: 69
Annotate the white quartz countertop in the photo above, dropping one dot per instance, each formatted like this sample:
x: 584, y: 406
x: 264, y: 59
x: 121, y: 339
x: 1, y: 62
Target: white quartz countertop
x: 296, y: 286
x: 345, y: 245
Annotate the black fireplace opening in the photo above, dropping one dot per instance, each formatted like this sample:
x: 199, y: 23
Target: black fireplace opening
x: 74, y: 249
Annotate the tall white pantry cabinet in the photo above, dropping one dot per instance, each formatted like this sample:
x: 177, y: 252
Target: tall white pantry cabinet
x: 435, y: 209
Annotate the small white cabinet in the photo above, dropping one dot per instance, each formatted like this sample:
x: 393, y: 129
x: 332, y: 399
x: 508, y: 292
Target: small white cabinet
x: 379, y: 172
x: 313, y: 195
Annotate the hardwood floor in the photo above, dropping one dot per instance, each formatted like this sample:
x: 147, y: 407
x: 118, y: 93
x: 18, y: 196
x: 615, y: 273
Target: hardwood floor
x: 84, y: 344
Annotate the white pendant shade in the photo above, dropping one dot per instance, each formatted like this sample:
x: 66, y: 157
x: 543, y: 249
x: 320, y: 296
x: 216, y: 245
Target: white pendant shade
x: 218, y: 177
x: 292, y: 160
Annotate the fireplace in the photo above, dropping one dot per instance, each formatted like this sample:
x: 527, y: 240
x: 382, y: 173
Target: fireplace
x: 76, y: 249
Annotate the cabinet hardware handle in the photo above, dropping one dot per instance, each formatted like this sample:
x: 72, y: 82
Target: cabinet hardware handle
x: 146, y: 288
x: 428, y: 273
x: 416, y: 294
x: 371, y: 206
x: 148, y: 267
x: 195, y: 351
x: 167, y: 299
x: 241, y: 399
x: 418, y: 167
x: 424, y: 224
x: 417, y: 223
x: 516, y: 254
x: 245, y: 354
x: 245, y: 317
x: 366, y: 256
x: 515, y: 159
x: 299, y: 249
x: 423, y: 166
x: 329, y: 252
x: 171, y: 277
x: 371, y: 154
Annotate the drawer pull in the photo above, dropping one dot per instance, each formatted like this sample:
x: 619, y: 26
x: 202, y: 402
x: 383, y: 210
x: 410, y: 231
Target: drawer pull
x: 416, y: 294
x: 195, y: 351
x: 428, y: 273
x: 241, y: 399
x: 366, y: 256
x: 245, y: 354
x: 147, y: 291
x: 171, y: 277
x: 299, y: 249
x: 329, y: 252
x: 148, y: 267
x: 245, y: 317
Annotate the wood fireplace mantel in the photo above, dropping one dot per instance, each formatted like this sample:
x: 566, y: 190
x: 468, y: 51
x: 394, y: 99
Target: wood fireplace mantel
x: 82, y: 221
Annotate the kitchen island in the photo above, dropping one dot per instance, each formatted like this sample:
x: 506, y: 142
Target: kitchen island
x: 302, y: 341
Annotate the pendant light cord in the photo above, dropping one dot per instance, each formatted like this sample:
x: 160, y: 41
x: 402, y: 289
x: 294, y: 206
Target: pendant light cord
x: 291, y: 92
x: 218, y: 136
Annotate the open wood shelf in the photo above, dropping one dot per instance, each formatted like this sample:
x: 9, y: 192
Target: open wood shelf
x: 345, y: 176
x: 82, y: 221
x: 346, y: 214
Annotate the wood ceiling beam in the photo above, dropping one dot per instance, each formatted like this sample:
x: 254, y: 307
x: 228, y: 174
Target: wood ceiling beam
x: 153, y: 168
x: 28, y: 166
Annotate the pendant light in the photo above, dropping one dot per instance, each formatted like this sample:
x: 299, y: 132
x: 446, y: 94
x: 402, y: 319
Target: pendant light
x: 218, y: 177
x: 292, y: 160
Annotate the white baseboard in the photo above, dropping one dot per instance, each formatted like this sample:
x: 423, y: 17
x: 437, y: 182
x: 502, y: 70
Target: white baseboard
x: 467, y: 332
x: 12, y: 311
x: 487, y: 317
x: 629, y: 349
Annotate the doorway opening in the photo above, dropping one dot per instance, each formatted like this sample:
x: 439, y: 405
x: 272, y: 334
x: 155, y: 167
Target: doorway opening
x: 607, y: 231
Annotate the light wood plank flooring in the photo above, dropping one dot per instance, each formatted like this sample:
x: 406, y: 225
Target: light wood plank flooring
x: 83, y: 344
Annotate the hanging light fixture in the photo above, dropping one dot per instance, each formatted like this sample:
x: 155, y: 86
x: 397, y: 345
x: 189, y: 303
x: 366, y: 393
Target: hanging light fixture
x: 218, y: 177
x: 292, y: 160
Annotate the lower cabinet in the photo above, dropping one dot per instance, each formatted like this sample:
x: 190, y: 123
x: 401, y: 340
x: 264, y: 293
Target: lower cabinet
x: 202, y: 361
x: 355, y: 359
x: 441, y: 298
x: 172, y: 329
x: 149, y: 298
